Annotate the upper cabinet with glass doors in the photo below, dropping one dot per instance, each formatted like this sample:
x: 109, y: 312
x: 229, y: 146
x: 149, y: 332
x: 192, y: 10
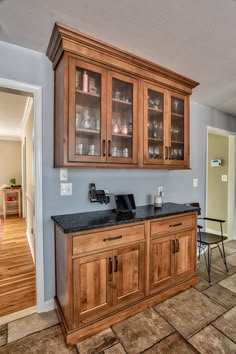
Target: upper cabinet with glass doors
x: 114, y: 109
x: 166, y: 140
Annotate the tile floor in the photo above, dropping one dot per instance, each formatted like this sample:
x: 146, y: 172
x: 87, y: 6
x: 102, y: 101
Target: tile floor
x: 199, y: 320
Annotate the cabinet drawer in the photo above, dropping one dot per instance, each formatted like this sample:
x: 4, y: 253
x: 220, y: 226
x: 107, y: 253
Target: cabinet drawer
x: 172, y: 225
x: 105, y: 239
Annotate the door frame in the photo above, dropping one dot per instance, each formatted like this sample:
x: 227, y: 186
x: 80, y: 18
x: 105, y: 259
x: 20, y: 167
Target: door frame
x: 36, y: 91
x: 231, y: 176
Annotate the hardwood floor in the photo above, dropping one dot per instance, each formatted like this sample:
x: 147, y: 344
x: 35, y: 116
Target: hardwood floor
x: 17, y: 271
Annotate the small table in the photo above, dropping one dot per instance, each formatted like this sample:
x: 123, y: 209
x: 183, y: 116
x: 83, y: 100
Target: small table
x: 11, y: 206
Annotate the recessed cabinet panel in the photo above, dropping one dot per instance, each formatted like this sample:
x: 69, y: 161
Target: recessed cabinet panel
x: 129, y: 273
x: 161, y: 262
x: 185, y: 253
x: 92, y: 285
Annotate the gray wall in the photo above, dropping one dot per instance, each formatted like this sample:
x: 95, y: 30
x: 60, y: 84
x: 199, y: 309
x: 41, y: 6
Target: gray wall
x: 28, y: 66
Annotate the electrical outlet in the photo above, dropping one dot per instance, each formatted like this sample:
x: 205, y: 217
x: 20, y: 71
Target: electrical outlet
x: 66, y: 189
x: 195, y: 182
x: 224, y: 178
x: 63, y: 174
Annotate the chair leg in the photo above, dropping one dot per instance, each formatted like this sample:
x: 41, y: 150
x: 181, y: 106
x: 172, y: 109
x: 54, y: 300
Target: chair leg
x: 223, y: 255
x: 199, y: 250
x: 208, y: 262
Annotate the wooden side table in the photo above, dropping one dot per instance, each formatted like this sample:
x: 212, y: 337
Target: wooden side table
x: 12, y: 206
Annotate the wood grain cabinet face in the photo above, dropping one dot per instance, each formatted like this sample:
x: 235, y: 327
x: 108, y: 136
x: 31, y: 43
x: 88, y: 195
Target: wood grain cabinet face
x: 173, y: 256
x: 102, y: 115
x: 129, y: 274
x: 136, y: 112
x: 92, y: 283
x: 162, y: 262
x: 185, y: 256
x: 166, y: 129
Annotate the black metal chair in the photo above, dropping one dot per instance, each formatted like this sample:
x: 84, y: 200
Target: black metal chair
x: 207, y: 240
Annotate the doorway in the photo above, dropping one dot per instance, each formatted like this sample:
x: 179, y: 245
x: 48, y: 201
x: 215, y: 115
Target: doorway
x: 35, y: 93
x: 220, y: 179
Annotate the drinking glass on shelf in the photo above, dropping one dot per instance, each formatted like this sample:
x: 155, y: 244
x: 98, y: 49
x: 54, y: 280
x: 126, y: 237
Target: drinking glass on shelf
x: 125, y: 152
x: 151, y: 152
x: 180, y: 154
x: 156, y: 152
x: 79, y: 149
x: 176, y: 106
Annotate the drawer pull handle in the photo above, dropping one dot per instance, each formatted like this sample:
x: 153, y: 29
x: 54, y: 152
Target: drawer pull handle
x: 104, y: 147
x: 116, y: 264
x: 177, y: 245
x: 110, y: 265
x: 174, y: 225
x: 173, y: 246
x: 112, y: 238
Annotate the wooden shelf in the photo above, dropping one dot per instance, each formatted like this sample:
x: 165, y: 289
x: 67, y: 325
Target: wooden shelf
x: 88, y: 131
x: 11, y: 206
x: 156, y: 139
x: 122, y: 135
x: 177, y: 142
x: 122, y: 102
x: 177, y: 115
x: 88, y: 93
x: 155, y: 110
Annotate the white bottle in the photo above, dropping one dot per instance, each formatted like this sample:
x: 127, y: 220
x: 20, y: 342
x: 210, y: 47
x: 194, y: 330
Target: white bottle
x: 85, y: 81
x: 158, y: 200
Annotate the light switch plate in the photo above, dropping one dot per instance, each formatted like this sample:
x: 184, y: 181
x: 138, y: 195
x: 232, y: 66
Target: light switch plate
x: 195, y: 182
x: 224, y: 178
x: 63, y: 174
x: 66, y: 189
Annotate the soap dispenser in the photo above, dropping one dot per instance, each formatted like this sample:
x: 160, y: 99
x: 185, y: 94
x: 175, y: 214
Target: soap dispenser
x: 158, y: 199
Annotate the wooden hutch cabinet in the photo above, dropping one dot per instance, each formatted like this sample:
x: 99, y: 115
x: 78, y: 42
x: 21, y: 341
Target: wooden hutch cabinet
x: 107, y: 274
x: 114, y: 109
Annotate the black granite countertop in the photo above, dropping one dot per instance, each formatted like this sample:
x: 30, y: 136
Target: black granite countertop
x: 93, y: 220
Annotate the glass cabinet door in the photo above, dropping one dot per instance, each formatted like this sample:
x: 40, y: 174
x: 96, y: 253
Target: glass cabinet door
x: 153, y: 125
x: 177, y: 150
x: 122, y: 119
x: 87, y: 131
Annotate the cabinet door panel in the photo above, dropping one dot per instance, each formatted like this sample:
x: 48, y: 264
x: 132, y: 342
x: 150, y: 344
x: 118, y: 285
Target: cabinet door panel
x: 178, y: 140
x: 129, y: 274
x: 122, y: 119
x: 87, y: 112
x: 185, y: 256
x: 92, y: 285
x: 161, y: 262
x: 154, y: 124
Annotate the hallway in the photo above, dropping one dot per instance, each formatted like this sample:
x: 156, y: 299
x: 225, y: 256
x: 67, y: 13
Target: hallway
x: 17, y: 271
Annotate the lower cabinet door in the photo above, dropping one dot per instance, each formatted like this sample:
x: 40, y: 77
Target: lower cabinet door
x: 129, y: 263
x: 185, y: 256
x: 162, y: 262
x: 92, y: 283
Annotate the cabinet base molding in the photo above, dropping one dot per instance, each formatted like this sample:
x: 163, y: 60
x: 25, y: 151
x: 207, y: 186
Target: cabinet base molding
x: 77, y: 335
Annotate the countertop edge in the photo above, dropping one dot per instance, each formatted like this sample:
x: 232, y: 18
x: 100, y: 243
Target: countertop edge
x: 120, y: 222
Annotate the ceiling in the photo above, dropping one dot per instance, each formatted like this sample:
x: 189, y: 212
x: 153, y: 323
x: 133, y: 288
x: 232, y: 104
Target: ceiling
x: 12, y: 108
x: 194, y: 38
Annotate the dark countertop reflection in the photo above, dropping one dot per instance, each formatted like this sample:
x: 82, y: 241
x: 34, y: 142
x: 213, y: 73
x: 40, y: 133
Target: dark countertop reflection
x: 96, y: 219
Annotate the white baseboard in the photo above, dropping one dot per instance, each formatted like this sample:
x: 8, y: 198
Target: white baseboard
x: 49, y: 305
